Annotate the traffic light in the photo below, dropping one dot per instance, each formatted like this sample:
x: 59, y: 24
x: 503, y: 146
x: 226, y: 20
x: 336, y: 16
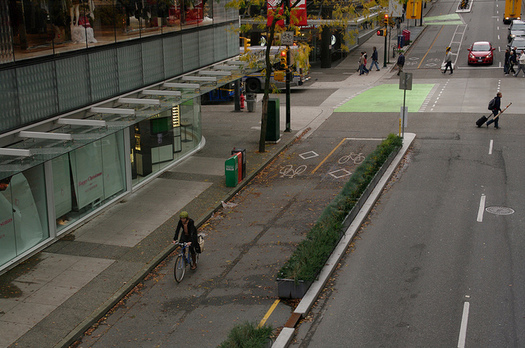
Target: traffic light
x: 381, y: 32
x: 386, y: 20
x: 246, y: 43
x: 284, y: 59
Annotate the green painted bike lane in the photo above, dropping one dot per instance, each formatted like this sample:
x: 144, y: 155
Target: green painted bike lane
x: 387, y: 98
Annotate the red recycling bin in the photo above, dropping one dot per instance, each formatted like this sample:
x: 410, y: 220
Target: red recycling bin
x: 406, y: 36
x: 239, y: 165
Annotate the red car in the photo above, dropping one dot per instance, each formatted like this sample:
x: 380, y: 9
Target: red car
x: 481, y: 52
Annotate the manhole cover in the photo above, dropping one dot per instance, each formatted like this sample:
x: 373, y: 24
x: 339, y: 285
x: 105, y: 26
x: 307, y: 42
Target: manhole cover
x: 500, y: 210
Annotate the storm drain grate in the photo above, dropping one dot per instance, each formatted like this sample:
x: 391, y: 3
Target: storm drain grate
x: 500, y: 210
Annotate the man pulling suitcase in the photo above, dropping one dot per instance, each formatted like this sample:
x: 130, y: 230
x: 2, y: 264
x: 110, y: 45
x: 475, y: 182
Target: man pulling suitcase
x: 495, y: 107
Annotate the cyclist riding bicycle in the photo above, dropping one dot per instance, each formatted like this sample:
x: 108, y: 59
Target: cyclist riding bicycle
x: 188, y: 235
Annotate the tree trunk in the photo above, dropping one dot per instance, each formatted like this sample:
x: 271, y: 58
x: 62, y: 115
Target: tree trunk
x: 264, y: 116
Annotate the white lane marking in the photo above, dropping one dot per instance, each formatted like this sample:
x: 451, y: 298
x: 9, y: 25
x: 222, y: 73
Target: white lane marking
x: 491, y: 145
x: 481, y: 208
x: 463, y: 327
x: 498, y: 37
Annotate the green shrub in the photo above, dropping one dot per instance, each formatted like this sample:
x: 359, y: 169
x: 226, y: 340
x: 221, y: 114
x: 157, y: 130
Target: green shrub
x: 312, y: 253
x: 247, y: 335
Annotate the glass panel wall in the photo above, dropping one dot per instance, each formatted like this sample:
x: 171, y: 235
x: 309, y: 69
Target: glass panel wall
x: 46, y: 27
x: 23, y: 213
x: 158, y: 141
x: 88, y: 177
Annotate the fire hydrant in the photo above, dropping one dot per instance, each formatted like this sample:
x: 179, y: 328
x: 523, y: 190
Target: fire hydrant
x: 242, y: 100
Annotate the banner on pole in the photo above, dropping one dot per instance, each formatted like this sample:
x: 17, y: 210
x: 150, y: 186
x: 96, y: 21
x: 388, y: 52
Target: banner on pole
x: 297, y: 14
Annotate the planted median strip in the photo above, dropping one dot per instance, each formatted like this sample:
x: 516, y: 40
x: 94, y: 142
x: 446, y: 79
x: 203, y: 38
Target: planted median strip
x: 310, y: 256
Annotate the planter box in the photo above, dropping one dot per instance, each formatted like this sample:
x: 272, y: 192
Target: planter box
x: 289, y: 288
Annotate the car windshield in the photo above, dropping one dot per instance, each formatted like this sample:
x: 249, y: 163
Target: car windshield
x: 481, y: 47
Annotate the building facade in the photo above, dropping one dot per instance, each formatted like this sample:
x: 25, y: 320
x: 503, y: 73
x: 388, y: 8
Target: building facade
x: 99, y: 97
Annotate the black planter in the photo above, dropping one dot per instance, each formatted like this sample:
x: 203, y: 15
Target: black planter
x: 289, y: 288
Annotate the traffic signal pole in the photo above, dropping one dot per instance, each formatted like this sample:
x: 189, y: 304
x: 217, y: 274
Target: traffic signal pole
x: 385, y: 57
x: 288, y: 77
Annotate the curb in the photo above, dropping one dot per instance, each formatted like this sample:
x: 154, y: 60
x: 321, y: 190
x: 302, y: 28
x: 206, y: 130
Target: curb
x: 75, y: 334
x: 286, y: 335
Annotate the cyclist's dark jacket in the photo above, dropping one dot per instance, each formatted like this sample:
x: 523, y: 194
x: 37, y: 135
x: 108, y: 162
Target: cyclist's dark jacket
x: 191, y: 237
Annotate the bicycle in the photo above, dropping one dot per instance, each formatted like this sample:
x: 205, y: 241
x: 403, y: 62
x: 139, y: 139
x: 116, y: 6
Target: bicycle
x: 182, y: 260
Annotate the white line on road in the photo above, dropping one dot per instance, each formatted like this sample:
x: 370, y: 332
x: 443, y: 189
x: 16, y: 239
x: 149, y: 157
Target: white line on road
x: 463, y: 328
x: 498, y: 37
x: 481, y: 208
x: 491, y: 145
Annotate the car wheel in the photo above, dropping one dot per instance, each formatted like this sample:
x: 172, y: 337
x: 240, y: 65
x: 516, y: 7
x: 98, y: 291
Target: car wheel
x: 253, y: 85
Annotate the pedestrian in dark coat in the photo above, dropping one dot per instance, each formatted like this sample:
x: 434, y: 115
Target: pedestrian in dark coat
x: 496, y: 109
x: 400, y: 63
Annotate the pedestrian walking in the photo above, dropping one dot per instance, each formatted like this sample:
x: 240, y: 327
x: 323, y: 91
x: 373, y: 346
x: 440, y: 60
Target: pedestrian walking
x: 521, y: 64
x: 362, y: 64
x: 374, y: 60
x: 495, y: 107
x: 400, y: 62
x: 448, y: 61
x: 512, y: 61
x: 506, y: 62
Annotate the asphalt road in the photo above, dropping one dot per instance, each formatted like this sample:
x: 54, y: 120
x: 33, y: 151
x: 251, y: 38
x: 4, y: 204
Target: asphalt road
x: 425, y: 254
x: 440, y: 262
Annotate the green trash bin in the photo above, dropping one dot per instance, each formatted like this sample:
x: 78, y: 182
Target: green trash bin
x: 273, y: 133
x: 231, y: 170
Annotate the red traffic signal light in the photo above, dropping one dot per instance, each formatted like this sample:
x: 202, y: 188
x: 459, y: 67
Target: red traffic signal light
x: 386, y: 19
x: 381, y: 32
x: 284, y: 59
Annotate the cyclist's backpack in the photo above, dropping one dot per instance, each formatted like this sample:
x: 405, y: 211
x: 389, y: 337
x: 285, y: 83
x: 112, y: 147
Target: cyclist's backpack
x: 492, y: 103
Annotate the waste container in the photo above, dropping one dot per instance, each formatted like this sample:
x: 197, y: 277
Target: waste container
x: 251, y: 99
x: 239, y: 166
x: 243, y: 167
x: 273, y: 132
x: 406, y: 35
x: 231, y: 170
x: 400, y: 41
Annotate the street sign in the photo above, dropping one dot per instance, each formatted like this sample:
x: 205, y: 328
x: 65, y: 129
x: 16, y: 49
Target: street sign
x: 405, y: 81
x: 287, y: 38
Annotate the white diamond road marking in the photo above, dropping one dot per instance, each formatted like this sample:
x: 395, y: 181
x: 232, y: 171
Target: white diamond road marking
x: 340, y: 173
x: 308, y: 155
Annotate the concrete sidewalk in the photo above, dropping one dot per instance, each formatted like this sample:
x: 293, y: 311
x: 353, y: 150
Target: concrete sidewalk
x: 53, y: 297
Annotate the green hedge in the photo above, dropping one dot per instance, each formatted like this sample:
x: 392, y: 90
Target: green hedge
x: 312, y: 253
x: 248, y: 335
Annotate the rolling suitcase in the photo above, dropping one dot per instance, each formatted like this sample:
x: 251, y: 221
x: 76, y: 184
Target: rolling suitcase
x: 480, y: 122
x: 484, y: 119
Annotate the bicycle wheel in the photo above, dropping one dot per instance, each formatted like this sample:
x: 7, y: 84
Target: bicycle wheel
x: 180, y: 268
